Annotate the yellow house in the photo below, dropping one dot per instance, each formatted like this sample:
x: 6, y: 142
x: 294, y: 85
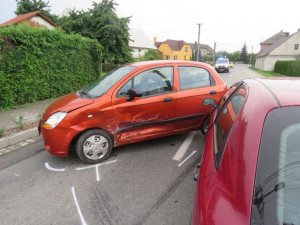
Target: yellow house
x: 174, y: 50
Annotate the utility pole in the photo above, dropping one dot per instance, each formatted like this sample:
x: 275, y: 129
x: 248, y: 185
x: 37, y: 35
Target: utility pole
x: 215, y: 45
x: 198, y: 46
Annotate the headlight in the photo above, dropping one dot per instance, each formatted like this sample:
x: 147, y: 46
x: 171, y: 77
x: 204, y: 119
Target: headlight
x: 54, y: 120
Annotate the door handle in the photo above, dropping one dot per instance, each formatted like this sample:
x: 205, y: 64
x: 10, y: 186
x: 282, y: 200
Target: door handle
x: 212, y: 92
x: 168, y: 100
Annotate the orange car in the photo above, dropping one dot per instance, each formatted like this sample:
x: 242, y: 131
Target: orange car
x: 133, y: 103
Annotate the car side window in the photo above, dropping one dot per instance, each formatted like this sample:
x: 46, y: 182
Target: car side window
x: 150, y: 82
x: 194, y: 77
x: 233, y: 101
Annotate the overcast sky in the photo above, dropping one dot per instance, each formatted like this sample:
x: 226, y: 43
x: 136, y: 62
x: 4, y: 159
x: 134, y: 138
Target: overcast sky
x: 229, y: 23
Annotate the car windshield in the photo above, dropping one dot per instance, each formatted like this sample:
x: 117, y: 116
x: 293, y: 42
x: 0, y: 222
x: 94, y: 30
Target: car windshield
x: 222, y: 61
x: 276, y: 197
x: 105, y: 82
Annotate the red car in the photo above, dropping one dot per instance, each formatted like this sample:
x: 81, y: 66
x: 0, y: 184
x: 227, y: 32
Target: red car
x: 250, y: 167
x: 133, y: 103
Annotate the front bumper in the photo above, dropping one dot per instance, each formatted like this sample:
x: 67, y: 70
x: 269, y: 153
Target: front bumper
x: 57, y: 140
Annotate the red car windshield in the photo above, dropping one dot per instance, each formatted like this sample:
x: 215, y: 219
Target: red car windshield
x: 276, y: 197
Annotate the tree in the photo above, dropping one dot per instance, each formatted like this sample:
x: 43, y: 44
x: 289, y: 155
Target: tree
x: 102, y: 23
x: 244, y: 54
x: 151, y: 54
x: 26, y: 6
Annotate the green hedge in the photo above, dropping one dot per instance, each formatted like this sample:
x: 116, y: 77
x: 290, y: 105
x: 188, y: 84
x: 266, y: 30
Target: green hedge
x: 37, y: 64
x: 289, y: 68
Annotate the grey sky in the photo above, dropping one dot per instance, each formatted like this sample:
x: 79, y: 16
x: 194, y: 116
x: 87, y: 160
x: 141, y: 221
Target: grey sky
x: 229, y: 23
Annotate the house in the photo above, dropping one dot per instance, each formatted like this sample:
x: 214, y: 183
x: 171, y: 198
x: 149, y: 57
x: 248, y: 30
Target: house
x: 205, y: 49
x: 173, y: 49
x: 280, y: 46
x: 34, y: 19
x: 139, y: 42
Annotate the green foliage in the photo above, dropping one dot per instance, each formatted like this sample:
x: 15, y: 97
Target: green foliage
x: 289, y: 68
x: 244, y: 54
x: 20, y: 121
x: 38, y: 64
x: 251, y: 58
x: 151, y: 54
x: 102, y: 23
x: 206, y: 58
x: 1, y: 132
x: 26, y: 6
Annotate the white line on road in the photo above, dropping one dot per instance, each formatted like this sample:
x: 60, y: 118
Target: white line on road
x: 184, y: 146
x: 53, y: 169
x: 97, y: 173
x: 78, y: 208
x: 99, y: 164
x: 17, y: 175
x: 187, y: 158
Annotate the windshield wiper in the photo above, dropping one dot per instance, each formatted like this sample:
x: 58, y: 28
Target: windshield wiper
x: 84, y: 93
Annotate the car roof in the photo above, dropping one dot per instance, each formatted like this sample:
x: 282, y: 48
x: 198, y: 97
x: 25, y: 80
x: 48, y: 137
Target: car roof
x: 285, y: 90
x: 160, y: 62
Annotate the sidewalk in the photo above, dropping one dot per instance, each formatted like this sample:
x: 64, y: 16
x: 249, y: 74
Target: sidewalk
x: 31, y: 113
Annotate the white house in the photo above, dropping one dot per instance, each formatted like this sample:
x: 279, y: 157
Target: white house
x: 139, y: 43
x: 284, y: 47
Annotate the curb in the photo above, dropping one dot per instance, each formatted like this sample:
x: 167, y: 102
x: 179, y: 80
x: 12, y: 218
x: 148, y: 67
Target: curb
x: 18, y: 137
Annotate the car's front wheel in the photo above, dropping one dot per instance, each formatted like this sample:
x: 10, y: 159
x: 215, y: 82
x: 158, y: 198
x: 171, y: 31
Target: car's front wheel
x: 94, y: 146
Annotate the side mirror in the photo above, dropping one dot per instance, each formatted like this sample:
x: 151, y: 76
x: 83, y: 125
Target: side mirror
x: 132, y: 94
x: 209, y: 102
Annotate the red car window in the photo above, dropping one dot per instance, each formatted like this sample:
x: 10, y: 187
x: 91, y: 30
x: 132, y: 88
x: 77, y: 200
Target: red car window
x: 233, y: 101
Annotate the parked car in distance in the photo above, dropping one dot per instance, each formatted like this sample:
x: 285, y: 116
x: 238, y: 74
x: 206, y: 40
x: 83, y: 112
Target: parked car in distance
x: 222, y: 65
x: 249, y: 172
x: 231, y: 65
x: 133, y: 103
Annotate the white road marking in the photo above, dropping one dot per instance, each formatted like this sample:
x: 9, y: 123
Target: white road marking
x: 92, y: 166
x: 78, y: 208
x: 53, y: 169
x: 180, y: 164
x: 17, y: 175
x: 97, y: 173
x: 184, y: 146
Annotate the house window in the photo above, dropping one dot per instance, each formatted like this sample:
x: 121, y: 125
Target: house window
x: 175, y: 57
x: 296, y: 47
x: 186, y: 49
x: 167, y: 57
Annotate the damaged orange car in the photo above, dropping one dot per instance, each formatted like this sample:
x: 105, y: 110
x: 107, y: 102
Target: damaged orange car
x: 133, y: 103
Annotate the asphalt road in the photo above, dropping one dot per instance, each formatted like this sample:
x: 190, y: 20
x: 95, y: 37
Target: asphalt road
x: 138, y: 184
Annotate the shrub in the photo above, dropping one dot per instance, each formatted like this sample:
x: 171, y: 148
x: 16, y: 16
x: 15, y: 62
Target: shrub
x: 289, y: 68
x: 37, y: 64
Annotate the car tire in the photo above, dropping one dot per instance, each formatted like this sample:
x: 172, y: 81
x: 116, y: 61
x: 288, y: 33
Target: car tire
x: 204, y: 127
x: 94, y: 146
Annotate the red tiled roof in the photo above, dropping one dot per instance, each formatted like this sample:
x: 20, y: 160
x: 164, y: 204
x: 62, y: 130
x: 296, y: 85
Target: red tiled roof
x: 21, y: 18
x: 173, y: 44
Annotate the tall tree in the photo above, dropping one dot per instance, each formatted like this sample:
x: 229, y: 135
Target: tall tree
x: 244, y: 54
x: 102, y: 23
x: 26, y: 6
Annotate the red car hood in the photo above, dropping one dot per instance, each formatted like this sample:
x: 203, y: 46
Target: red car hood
x: 67, y: 103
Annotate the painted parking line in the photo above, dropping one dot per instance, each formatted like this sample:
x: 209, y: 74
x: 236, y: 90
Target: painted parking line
x: 180, y: 164
x: 78, y: 208
x: 184, y: 146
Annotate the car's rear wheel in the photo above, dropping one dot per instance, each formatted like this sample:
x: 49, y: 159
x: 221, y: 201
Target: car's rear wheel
x: 94, y: 146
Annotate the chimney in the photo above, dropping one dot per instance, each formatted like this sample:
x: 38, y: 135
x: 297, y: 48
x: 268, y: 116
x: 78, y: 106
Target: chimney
x: 155, y: 40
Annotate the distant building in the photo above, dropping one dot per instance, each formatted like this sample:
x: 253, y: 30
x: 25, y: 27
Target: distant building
x: 205, y: 49
x: 139, y: 42
x: 280, y: 46
x: 34, y: 19
x: 174, y: 50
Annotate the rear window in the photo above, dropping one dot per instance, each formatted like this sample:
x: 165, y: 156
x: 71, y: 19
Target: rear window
x: 276, y: 197
x: 231, y: 104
